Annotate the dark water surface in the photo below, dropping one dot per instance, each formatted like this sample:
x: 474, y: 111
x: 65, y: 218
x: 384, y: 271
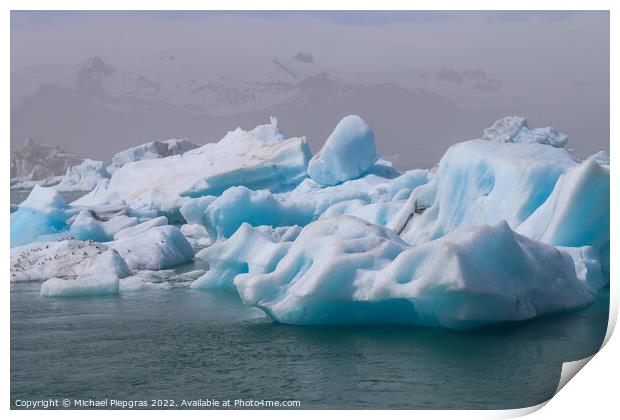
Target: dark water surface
x: 191, y: 344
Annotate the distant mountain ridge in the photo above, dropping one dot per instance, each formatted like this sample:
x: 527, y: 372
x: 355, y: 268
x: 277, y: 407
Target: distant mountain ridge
x: 95, y: 118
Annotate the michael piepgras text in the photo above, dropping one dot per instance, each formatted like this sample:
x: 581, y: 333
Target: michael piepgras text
x: 111, y: 403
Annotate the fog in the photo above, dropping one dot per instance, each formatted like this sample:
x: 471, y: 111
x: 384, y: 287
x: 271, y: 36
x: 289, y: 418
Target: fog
x: 410, y: 74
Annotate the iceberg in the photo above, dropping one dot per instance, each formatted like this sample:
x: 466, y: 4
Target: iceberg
x: 506, y: 227
x: 239, y: 159
x: 83, y: 177
x: 100, y: 278
x: 158, y: 248
x: 344, y: 270
x: 347, y: 153
x: 151, y: 150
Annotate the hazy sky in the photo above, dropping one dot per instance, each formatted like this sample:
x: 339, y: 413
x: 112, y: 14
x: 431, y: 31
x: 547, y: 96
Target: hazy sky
x: 530, y: 44
x: 554, y: 66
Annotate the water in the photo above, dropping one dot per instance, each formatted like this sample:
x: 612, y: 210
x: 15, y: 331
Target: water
x: 191, y: 344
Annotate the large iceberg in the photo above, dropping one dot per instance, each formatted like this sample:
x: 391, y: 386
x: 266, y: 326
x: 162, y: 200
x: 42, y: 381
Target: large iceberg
x: 242, y: 158
x: 347, y: 153
x: 344, y: 270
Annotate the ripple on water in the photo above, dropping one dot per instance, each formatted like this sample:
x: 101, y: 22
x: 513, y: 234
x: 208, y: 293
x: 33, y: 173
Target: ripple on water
x: 187, y: 343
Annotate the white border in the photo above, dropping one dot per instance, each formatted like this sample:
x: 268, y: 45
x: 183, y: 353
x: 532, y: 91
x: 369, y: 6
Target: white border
x: 592, y: 394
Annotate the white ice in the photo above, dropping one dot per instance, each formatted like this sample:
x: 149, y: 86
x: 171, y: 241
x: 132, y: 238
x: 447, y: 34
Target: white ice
x: 151, y: 150
x: 156, y: 249
x: 83, y: 177
x: 100, y: 278
x: 240, y: 158
x: 248, y: 250
x: 41, y: 261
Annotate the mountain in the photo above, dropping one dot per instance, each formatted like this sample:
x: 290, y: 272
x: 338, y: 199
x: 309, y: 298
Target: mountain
x: 412, y: 123
x: 95, y: 120
x: 474, y: 79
